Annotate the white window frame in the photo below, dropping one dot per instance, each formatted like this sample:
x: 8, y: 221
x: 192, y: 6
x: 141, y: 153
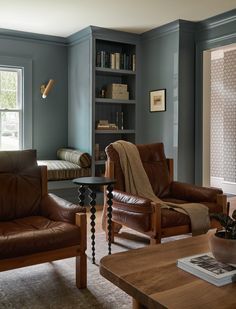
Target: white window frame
x: 27, y: 124
x: 19, y: 92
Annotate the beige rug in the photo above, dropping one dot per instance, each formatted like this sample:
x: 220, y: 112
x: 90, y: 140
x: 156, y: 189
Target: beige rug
x: 52, y: 285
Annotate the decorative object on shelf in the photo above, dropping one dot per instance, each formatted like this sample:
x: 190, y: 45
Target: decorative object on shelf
x: 45, y: 89
x: 105, y: 125
x: 102, y: 93
x: 102, y: 155
x: 117, y: 91
x: 120, y: 120
x: 158, y: 100
x: 223, y: 242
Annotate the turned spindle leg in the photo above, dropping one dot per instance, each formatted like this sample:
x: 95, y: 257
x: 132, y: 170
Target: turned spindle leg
x: 92, y: 204
x: 109, y: 215
x: 81, y: 195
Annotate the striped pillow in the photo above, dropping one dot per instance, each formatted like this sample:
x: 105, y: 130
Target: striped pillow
x: 83, y: 159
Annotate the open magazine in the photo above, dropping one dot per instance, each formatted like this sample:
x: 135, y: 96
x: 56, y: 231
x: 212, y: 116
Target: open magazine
x: 206, y: 267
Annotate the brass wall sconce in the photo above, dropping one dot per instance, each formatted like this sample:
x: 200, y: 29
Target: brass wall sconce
x: 45, y: 89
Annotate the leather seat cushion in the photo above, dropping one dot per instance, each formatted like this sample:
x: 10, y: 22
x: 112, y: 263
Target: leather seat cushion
x: 35, y: 234
x: 170, y: 218
x: 136, y: 220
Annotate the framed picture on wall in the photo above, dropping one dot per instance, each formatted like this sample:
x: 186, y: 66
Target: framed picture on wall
x: 158, y: 100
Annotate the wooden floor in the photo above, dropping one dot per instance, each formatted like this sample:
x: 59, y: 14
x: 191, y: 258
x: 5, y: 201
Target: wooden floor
x: 99, y: 229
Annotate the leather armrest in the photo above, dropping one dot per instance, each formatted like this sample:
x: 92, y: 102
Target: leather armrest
x: 58, y: 209
x: 132, y: 203
x: 193, y: 193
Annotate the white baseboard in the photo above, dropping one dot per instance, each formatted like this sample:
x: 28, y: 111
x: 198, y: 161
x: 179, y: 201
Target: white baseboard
x: 226, y: 186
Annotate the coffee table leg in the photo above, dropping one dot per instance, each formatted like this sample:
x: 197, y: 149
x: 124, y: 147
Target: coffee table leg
x: 109, y: 215
x: 92, y: 204
x: 81, y: 195
x: 138, y: 305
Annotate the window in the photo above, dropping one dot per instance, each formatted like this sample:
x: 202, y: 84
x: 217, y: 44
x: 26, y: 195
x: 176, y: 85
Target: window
x: 11, y: 108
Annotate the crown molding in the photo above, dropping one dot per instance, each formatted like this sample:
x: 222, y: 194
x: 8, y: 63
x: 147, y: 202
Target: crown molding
x: 79, y: 36
x: 103, y: 33
x: 32, y: 37
x: 216, y: 21
x: 161, y: 31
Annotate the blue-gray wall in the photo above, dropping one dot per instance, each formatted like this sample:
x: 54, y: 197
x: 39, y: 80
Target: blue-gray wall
x: 211, y: 33
x: 49, y: 61
x: 79, y: 95
x: 159, y: 70
x: 186, y: 92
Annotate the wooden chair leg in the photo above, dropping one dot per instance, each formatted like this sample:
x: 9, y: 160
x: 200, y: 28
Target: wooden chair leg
x: 137, y: 305
x: 155, y: 241
x: 81, y: 271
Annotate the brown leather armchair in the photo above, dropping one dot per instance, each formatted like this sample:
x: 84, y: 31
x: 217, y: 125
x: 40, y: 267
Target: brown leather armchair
x: 37, y: 227
x: 147, y: 217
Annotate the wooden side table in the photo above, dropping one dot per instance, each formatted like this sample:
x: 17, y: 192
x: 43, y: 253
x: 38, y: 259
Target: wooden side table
x: 91, y: 183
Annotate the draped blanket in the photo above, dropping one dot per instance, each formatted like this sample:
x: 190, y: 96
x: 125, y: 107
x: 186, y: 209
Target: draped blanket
x: 137, y: 183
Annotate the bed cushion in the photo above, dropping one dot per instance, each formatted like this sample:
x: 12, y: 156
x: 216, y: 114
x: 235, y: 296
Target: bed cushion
x: 82, y: 159
x: 63, y: 170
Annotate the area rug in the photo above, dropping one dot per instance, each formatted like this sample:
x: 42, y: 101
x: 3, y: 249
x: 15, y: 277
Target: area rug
x: 52, y: 285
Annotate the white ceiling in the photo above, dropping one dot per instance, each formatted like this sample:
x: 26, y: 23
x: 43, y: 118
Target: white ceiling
x: 65, y: 17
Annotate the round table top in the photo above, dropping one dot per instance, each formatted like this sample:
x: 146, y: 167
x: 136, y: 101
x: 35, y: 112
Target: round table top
x: 94, y: 181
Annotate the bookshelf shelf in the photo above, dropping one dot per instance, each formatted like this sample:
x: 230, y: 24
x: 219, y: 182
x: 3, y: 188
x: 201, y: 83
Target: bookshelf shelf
x: 100, y: 162
x: 114, y: 101
x: 108, y: 71
x: 115, y: 131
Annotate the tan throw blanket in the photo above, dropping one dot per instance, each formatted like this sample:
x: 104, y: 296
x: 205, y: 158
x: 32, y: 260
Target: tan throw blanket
x: 137, y: 183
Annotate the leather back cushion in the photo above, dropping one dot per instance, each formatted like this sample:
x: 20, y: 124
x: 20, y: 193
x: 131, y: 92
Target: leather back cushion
x: 20, y: 184
x: 154, y: 163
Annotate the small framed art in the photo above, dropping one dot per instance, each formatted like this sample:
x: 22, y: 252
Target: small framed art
x: 158, y: 100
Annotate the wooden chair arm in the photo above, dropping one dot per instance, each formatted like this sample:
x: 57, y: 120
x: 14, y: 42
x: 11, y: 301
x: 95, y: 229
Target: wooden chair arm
x: 222, y: 200
x: 156, y: 220
x: 81, y: 221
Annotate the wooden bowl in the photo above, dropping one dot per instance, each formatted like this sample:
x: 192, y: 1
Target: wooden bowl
x: 224, y: 250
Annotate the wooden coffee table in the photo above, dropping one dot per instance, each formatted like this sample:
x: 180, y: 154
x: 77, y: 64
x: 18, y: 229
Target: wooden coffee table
x: 151, y: 277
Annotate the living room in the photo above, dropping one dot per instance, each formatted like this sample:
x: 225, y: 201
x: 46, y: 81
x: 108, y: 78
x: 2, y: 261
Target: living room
x: 48, y: 41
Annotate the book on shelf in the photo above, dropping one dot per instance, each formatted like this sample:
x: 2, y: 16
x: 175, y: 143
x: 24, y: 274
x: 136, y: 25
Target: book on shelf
x: 117, y: 61
x: 113, y: 61
x: 206, y: 267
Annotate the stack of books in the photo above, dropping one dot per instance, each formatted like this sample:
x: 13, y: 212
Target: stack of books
x: 117, y: 91
x: 206, y: 267
x: 116, y: 61
x: 105, y: 125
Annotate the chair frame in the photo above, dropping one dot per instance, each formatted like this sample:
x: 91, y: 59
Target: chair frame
x: 77, y: 251
x: 156, y: 232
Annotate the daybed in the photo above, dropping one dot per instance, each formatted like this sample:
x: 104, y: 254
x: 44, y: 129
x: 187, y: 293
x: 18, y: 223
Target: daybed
x: 71, y: 164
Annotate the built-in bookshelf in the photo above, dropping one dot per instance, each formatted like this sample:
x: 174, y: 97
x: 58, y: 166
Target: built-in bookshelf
x: 115, y: 96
